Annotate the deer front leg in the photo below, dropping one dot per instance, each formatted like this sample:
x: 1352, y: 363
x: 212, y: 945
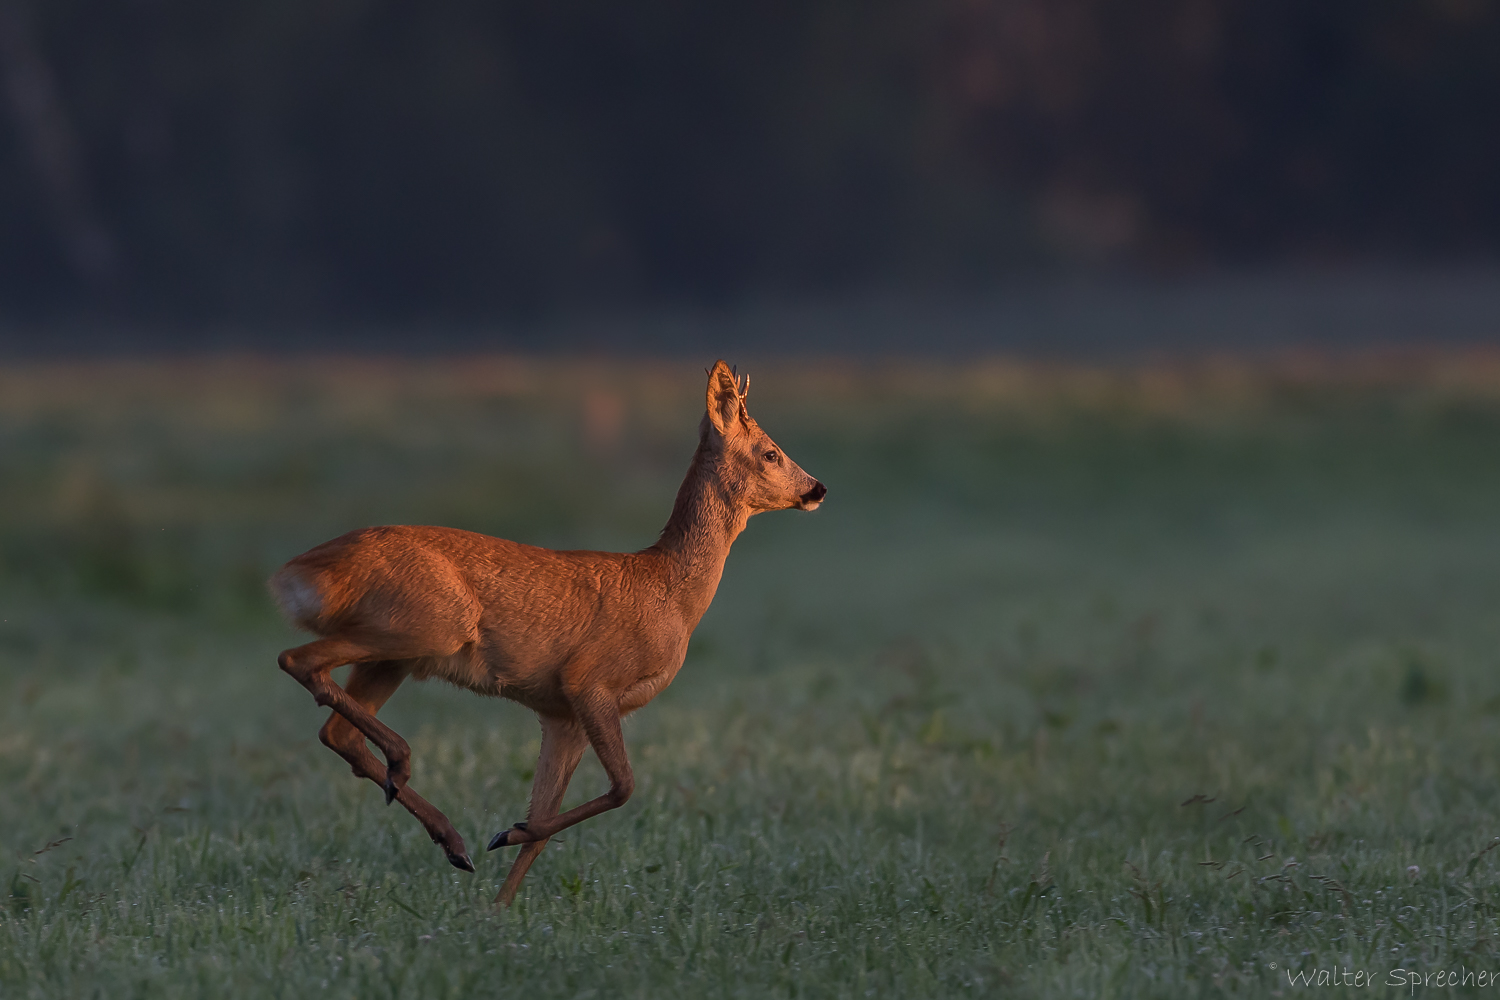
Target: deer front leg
x: 370, y: 684
x: 563, y: 742
x: 600, y: 718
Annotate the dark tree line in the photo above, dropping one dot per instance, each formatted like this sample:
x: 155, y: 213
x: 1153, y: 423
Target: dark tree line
x: 315, y: 160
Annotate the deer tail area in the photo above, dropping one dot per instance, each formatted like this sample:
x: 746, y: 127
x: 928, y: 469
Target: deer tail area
x: 298, y: 597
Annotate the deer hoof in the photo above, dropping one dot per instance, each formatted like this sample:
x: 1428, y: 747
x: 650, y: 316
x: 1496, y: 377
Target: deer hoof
x: 502, y: 839
x: 391, y: 791
x: 461, y: 862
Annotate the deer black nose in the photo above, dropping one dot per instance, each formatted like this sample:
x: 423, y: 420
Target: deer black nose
x: 816, y: 494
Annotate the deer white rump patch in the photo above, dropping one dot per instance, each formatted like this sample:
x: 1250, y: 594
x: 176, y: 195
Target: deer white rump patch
x: 298, y: 599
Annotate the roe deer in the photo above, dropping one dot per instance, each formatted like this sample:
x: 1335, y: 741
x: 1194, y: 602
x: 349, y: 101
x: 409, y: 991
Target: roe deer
x: 580, y: 638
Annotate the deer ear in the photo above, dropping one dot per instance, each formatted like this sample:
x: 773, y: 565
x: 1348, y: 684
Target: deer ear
x: 723, y: 399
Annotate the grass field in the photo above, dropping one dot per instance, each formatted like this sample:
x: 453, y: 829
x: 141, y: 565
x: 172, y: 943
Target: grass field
x: 1147, y: 683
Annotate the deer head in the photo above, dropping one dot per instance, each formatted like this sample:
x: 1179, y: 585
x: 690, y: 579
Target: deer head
x: 752, y: 468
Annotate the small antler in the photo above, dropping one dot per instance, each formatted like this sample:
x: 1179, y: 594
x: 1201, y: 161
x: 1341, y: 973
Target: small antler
x: 744, y: 392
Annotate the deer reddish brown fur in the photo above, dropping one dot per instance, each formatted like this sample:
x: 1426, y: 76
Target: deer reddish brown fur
x: 580, y: 638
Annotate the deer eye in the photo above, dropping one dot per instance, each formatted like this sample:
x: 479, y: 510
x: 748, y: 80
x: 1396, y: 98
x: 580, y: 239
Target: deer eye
x: 771, y: 456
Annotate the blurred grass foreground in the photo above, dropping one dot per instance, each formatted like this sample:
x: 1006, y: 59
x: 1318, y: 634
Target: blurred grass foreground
x: 1152, y: 681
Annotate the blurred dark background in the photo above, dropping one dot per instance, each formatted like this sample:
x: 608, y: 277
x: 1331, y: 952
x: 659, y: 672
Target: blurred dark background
x: 176, y: 173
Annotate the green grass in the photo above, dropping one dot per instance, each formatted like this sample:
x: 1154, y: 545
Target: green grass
x: 1145, y: 684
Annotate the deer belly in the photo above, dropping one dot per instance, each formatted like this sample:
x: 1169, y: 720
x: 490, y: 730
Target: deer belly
x: 462, y: 669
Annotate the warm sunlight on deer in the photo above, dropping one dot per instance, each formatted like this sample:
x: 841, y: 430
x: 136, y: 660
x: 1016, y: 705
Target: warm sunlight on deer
x: 580, y: 638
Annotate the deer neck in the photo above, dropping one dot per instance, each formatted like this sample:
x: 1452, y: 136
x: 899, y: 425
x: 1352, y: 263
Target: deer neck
x: 705, y: 521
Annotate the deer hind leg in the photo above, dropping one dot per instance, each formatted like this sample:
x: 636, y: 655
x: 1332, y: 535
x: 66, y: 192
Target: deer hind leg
x: 370, y: 684
x: 563, y: 743
x: 311, y: 666
x: 353, y: 720
x: 599, y: 716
